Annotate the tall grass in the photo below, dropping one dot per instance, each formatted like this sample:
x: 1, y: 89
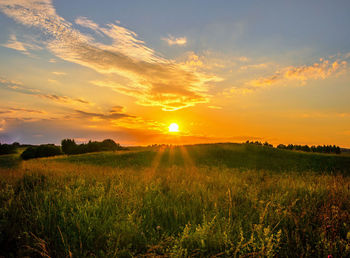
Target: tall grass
x: 55, y: 209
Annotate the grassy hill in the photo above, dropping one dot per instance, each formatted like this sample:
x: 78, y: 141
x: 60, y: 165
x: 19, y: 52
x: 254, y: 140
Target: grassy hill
x: 244, y: 156
x: 219, y: 200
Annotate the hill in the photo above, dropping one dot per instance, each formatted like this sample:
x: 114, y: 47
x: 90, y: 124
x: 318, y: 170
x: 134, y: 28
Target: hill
x: 217, y: 200
x: 230, y: 155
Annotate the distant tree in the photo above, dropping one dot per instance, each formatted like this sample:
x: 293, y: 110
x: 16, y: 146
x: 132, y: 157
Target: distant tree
x: 305, y: 148
x: 267, y: 144
x: 68, y: 146
x: 320, y: 149
x: 44, y: 150
x: 93, y: 146
x: 281, y: 146
x: 7, y: 149
x: 48, y: 150
x: 109, y: 144
x: 29, y: 153
x: 16, y: 144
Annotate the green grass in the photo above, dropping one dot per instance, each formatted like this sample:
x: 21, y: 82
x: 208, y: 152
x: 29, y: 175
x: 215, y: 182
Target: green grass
x: 244, y: 156
x: 219, y: 200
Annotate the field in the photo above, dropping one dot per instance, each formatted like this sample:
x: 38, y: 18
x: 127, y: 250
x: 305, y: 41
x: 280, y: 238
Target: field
x: 218, y: 200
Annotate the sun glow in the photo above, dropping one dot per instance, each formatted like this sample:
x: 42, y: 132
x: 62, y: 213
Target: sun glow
x: 173, y: 127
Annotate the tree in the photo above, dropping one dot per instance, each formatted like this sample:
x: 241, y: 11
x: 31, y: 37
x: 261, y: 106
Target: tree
x: 69, y: 146
x: 109, y: 144
x: 44, y: 150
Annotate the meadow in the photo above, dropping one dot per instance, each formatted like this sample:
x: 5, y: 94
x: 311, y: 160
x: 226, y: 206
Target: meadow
x: 216, y: 200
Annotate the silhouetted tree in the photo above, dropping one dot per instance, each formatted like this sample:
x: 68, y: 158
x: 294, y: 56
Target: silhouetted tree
x: 109, y: 144
x: 44, y: 150
x: 69, y: 146
x: 7, y: 149
x: 282, y: 146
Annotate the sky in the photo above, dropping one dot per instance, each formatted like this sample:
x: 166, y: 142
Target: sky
x: 224, y: 71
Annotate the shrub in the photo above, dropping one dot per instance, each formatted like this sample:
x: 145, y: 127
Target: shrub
x: 45, y: 150
x: 8, y: 148
x: 29, y: 153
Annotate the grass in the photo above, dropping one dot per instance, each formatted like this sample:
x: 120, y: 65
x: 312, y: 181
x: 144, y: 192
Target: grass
x: 219, y: 200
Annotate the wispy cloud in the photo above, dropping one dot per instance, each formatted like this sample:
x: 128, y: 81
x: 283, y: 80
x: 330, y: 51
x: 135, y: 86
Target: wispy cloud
x: 171, y: 40
x: 113, y: 114
x: 13, y: 43
x: 214, y: 107
x: 26, y: 110
x: 152, y: 80
x: 318, y: 70
x: 18, y: 45
x: 59, y: 73
x: 19, y: 87
x: 62, y: 99
x: 22, y: 113
x: 85, y: 22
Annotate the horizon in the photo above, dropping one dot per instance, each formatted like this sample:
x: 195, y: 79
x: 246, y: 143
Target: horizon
x: 220, y: 71
x: 183, y: 144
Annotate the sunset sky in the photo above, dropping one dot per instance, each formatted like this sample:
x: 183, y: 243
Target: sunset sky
x: 275, y: 71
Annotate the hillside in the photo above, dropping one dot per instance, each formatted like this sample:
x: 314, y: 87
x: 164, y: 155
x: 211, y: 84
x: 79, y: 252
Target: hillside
x: 218, y: 200
x: 230, y: 155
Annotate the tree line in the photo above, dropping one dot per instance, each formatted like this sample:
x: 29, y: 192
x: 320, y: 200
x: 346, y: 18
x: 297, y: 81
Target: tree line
x: 9, y: 148
x: 70, y: 147
x: 319, y: 148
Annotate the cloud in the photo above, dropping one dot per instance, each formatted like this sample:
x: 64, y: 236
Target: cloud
x: 25, y: 110
x: 171, y: 40
x: 59, y: 73
x: 18, y: 87
x: 153, y: 80
x: 318, y: 70
x: 13, y: 43
x: 114, y: 113
x: 23, y: 47
x: 254, y: 66
x: 85, y: 22
x: 215, y: 107
x: 25, y: 114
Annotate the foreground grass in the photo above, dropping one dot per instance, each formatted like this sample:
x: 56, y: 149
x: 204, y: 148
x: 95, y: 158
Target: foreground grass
x: 57, y: 208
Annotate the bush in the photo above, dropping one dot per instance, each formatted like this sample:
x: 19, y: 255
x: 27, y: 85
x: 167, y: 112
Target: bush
x: 45, y: 150
x: 8, y: 148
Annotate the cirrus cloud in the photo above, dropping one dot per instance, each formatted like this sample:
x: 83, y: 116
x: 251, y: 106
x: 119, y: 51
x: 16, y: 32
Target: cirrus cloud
x: 171, y: 40
x: 318, y: 70
x: 152, y: 80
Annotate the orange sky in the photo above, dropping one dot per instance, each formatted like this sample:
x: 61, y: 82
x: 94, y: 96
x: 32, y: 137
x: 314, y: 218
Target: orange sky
x: 75, y: 73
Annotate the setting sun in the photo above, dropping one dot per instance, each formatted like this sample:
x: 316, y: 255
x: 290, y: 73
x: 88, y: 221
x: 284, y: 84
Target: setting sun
x: 173, y: 127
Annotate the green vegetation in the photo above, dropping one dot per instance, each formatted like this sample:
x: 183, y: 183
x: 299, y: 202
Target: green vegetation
x: 8, y: 148
x: 44, y: 150
x: 243, y: 156
x: 219, y: 200
x: 70, y: 147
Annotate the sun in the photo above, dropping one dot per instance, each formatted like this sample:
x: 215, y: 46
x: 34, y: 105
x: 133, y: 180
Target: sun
x: 173, y: 127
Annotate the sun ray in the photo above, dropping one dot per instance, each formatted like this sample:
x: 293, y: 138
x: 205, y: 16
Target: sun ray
x: 155, y: 163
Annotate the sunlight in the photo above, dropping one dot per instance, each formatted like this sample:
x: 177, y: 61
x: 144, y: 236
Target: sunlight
x: 173, y: 127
